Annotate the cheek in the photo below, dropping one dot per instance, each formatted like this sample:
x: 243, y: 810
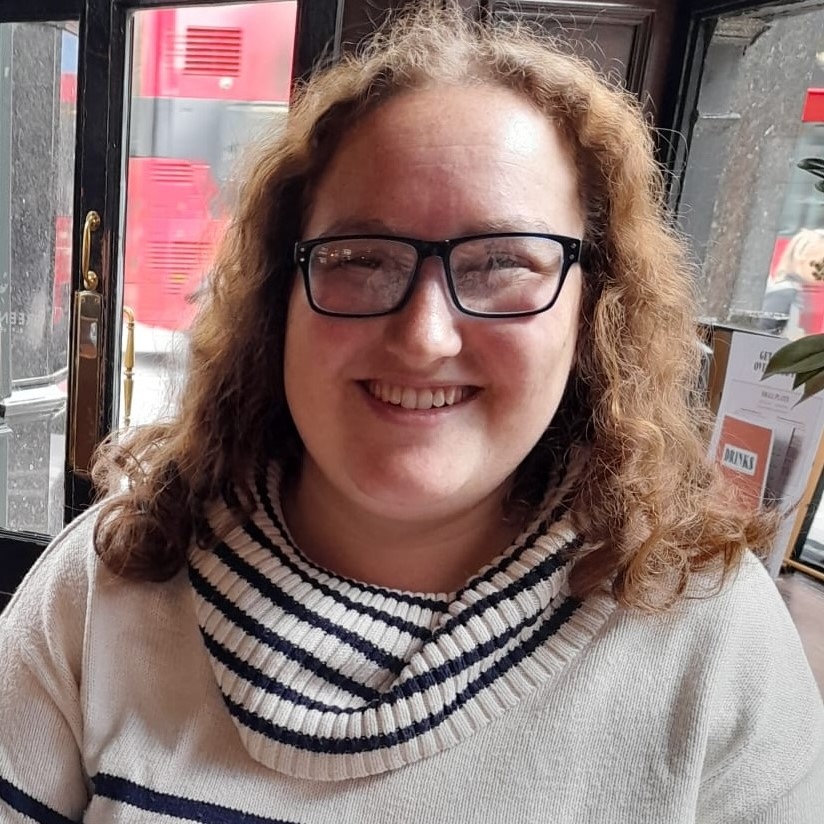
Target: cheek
x: 555, y: 362
x: 555, y: 345
x: 531, y: 369
x: 318, y: 351
x: 302, y: 356
x: 543, y: 359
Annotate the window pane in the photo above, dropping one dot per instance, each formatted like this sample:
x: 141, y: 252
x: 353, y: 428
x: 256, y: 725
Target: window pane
x: 38, y: 87
x: 760, y: 110
x: 205, y: 82
x: 754, y: 218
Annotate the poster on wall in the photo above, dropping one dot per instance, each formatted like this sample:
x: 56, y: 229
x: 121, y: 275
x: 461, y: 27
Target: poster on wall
x: 764, y: 440
x: 743, y: 456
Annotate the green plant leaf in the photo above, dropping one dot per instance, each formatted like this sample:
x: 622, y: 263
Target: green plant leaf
x: 814, y: 165
x: 812, y: 386
x: 813, y: 363
x: 796, y: 356
x: 803, y: 377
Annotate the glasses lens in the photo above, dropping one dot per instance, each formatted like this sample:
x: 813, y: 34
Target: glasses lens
x: 507, y: 273
x: 360, y: 276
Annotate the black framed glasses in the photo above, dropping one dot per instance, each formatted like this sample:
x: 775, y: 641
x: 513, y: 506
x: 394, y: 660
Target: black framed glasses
x: 496, y: 275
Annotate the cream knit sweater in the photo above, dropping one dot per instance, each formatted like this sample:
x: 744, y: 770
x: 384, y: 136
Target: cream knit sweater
x: 257, y: 687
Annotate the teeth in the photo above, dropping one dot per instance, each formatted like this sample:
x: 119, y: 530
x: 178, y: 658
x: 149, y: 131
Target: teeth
x: 410, y: 398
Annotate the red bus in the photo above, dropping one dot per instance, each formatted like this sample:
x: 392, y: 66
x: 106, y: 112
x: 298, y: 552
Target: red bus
x: 205, y: 81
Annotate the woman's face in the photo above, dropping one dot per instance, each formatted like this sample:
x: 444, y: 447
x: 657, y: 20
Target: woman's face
x: 433, y: 164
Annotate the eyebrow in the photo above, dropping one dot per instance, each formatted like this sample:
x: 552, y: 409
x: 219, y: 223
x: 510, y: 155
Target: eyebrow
x: 377, y: 226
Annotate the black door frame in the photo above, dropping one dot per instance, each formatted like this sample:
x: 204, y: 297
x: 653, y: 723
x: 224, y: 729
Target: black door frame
x: 696, y: 23
x: 19, y: 550
x: 103, y: 78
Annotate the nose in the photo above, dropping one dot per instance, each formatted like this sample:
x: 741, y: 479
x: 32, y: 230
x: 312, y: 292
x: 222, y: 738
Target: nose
x: 427, y: 329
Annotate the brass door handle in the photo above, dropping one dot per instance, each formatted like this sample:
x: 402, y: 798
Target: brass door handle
x: 84, y: 412
x: 90, y: 278
x: 128, y: 367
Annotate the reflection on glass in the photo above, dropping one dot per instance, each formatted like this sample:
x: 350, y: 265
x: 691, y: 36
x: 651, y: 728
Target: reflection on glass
x: 38, y: 88
x: 743, y: 202
x: 793, y: 300
x: 755, y: 220
x: 205, y: 82
x: 812, y: 552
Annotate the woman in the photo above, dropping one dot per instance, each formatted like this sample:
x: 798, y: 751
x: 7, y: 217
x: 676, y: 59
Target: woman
x: 433, y: 537
x: 790, y: 298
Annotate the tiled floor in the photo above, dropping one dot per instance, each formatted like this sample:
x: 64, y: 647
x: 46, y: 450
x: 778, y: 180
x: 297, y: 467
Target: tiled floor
x: 805, y: 598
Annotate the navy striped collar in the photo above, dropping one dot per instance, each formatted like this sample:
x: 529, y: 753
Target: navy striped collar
x: 328, y: 678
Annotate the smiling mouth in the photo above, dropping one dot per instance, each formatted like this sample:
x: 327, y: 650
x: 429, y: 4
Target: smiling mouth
x: 410, y: 397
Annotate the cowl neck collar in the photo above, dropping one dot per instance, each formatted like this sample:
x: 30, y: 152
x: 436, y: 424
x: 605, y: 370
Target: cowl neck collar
x: 328, y: 678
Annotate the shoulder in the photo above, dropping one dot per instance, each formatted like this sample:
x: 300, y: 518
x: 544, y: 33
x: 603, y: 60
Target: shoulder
x: 754, y: 627
x: 727, y: 671
x: 69, y: 591
x: 748, y: 593
x: 59, y: 579
x: 766, y: 719
x: 71, y: 612
x: 733, y: 636
x: 741, y: 628
x: 719, y: 615
x: 42, y: 629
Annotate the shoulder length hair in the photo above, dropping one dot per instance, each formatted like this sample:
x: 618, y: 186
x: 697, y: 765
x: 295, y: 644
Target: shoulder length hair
x: 649, y: 505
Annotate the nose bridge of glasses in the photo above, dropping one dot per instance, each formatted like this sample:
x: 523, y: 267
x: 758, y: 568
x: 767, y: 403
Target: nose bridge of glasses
x: 428, y: 319
x: 433, y: 248
x: 426, y: 250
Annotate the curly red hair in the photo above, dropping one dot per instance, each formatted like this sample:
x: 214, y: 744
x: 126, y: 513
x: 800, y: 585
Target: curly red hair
x: 650, y: 505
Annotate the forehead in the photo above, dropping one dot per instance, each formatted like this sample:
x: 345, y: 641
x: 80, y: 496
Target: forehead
x: 446, y: 160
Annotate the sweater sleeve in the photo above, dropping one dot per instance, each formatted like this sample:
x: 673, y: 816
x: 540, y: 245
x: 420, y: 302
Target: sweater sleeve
x: 765, y: 757
x: 41, y: 645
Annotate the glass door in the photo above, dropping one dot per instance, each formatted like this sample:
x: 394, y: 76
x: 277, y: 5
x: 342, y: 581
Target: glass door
x: 206, y: 81
x: 124, y: 119
x: 753, y: 111
x: 38, y: 67
x: 39, y: 50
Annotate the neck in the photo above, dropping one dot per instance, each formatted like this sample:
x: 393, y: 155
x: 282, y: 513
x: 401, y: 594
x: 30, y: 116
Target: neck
x: 432, y: 556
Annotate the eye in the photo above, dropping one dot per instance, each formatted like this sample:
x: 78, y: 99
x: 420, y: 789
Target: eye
x: 503, y: 260
x: 345, y: 258
x: 499, y: 263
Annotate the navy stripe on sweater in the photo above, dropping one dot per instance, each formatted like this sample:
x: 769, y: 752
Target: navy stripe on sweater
x: 27, y: 805
x: 262, y: 681
x: 256, y: 579
x: 399, y: 692
x: 540, y: 572
x: 259, y: 536
x: 186, y: 809
x: 352, y: 746
x: 529, y: 542
x: 276, y: 642
x: 261, y: 484
x: 544, y: 570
